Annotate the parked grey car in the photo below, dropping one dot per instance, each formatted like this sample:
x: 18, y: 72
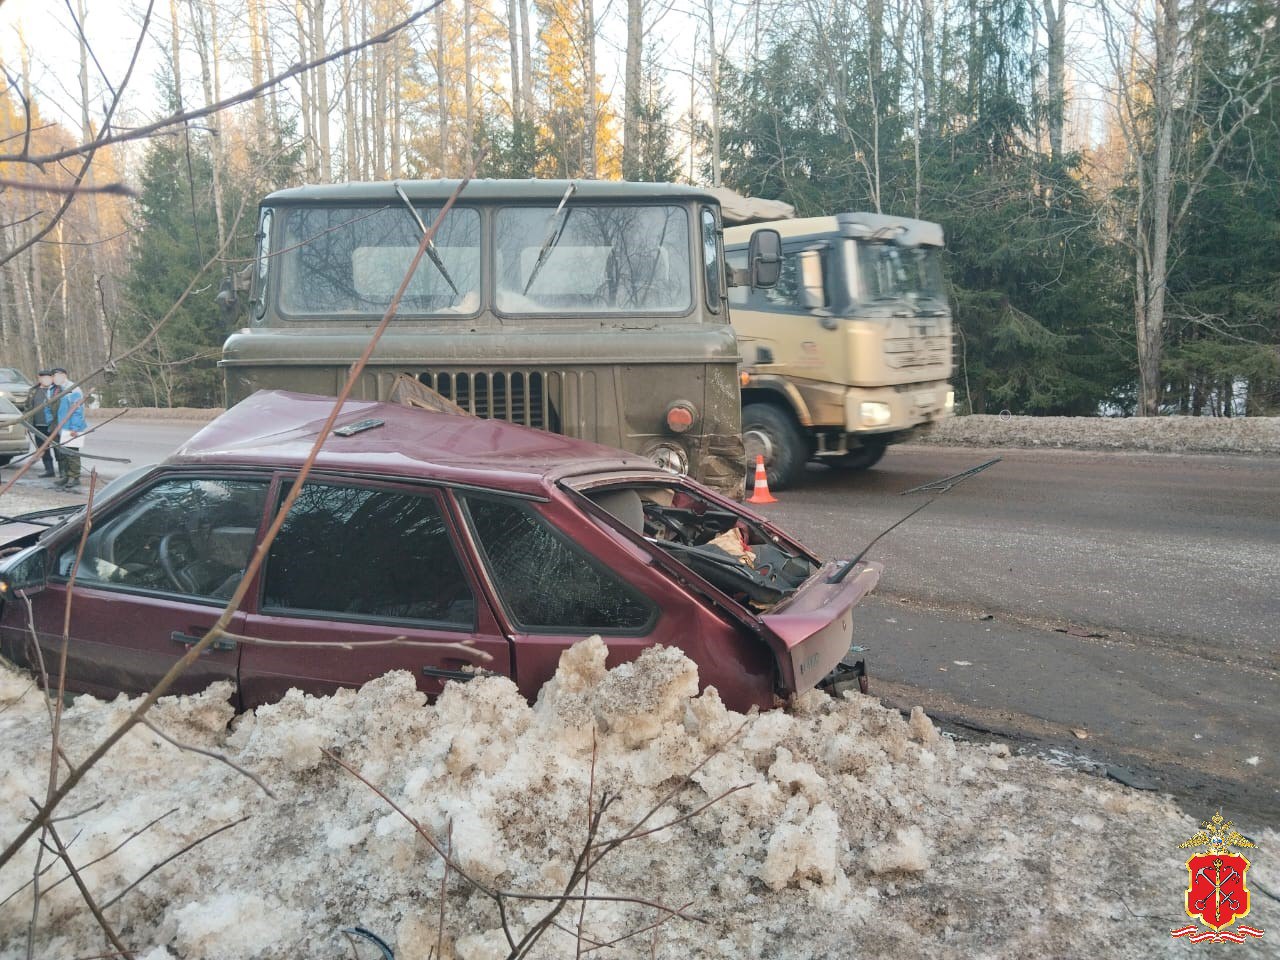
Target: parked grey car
x: 15, y: 386
x: 13, y: 435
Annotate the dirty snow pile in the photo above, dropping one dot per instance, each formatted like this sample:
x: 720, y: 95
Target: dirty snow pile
x: 856, y: 832
x: 1252, y: 435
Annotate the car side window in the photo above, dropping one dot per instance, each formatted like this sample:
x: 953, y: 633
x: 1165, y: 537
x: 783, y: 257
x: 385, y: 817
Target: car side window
x: 191, y: 536
x: 364, y: 553
x: 546, y: 583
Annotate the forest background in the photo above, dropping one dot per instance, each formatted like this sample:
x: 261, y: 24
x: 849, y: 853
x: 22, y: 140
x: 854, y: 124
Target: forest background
x: 1107, y: 173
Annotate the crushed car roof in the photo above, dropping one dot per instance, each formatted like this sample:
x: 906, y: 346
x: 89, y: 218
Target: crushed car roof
x: 276, y: 428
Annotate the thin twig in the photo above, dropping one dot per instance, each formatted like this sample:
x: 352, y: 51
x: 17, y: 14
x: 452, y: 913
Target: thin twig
x: 412, y: 821
x: 645, y: 929
x: 169, y: 859
x: 29, y: 186
x: 78, y: 813
x: 678, y: 820
x: 444, y: 883
x: 107, y: 929
x: 89, y: 152
x: 14, y: 702
x: 192, y: 748
x: 586, y: 876
x: 252, y: 93
x: 96, y: 860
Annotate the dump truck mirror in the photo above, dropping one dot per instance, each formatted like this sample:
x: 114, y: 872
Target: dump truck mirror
x: 813, y: 291
x: 764, y: 258
x: 226, y: 298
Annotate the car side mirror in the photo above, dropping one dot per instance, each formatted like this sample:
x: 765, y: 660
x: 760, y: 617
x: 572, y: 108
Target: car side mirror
x: 813, y: 291
x: 24, y: 573
x: 764, y: 258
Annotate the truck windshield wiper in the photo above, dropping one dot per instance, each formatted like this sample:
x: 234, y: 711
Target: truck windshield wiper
x: 935, y: 486
x: 432, y: 252
x: 555, y: 227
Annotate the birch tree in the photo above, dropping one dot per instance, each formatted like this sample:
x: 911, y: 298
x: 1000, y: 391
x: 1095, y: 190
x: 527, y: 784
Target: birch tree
x: 1177, y: 112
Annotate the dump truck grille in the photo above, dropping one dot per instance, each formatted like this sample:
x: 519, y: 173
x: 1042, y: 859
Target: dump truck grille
x: 527, y: 397
x: 917, y: 351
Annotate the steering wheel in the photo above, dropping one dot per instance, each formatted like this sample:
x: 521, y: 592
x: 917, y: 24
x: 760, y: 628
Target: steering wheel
x: 175, y: 551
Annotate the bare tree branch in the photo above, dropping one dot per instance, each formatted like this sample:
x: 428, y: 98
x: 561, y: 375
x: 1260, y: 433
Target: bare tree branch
x: 245, y: 96
x: 89, y: 153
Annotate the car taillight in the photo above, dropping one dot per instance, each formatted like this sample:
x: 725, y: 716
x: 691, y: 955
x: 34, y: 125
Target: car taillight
x: 680, y: 417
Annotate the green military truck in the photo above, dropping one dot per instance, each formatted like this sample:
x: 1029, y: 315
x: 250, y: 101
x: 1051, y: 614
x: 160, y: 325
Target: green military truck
x: 592, y: 309
x: 851, y: 350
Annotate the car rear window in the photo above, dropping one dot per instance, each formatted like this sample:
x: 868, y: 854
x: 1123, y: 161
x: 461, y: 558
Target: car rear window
x: 364, y: 553
x: 546, y: 583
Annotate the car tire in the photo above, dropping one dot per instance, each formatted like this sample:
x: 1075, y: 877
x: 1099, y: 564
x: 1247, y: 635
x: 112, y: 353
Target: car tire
x: 773, y: 433
x: 864, y: 458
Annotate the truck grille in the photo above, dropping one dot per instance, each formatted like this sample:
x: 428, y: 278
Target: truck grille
x: 528, y: 397
x: 901, y: 352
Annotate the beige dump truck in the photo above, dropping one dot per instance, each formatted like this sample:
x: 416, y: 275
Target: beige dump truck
x: 851, y: 350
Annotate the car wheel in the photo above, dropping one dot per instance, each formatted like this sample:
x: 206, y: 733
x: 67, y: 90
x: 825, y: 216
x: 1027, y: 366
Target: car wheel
x: 864, y: 458
x: 772, y: 433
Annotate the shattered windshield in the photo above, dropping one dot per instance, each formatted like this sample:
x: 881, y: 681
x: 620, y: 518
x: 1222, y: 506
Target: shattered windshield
x: 725, y: 547
x: 603, y: 259
x: 349, y: 261
x: 887, y: 271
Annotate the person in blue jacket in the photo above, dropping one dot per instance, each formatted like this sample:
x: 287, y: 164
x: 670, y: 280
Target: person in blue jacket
x: 72, y: 437
x: 45, y: 416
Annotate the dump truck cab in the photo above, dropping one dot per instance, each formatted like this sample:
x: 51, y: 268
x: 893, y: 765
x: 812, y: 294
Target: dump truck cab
x: 590, y: 309
x: 852, y: 349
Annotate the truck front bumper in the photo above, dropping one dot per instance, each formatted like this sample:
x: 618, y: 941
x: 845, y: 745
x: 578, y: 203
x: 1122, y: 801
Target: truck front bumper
x: 891, y: 409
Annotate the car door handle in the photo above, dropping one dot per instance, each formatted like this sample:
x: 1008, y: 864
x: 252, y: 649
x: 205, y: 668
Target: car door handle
x: 461, y: 675
x: 186, y: 639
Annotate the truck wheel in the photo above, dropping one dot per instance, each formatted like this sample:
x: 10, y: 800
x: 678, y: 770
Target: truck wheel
x: 864, y: 458
x: 771, y: 432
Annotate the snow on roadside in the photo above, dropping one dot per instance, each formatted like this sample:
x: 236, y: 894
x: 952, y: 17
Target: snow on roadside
x: 857, y: 832
x: 1248, y: 435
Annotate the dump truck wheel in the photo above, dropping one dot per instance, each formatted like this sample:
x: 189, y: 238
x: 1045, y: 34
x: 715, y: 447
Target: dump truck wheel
x: 772, y: 433
x: 864, y: 458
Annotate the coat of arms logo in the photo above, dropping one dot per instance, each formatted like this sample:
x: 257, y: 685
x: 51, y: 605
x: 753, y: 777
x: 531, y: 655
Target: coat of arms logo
x: 1216, y: 892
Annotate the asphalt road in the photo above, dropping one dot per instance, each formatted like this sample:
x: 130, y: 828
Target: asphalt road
x: 1114, y: 611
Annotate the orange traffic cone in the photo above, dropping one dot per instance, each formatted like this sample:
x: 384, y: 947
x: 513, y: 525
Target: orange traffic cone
x: 761, y: 494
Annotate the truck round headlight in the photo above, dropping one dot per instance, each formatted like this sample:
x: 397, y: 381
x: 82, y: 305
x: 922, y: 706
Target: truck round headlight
x: 874, y: 414
x: 669, y: 457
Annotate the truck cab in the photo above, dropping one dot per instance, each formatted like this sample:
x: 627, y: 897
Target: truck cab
x: 590, y: 309
x: 851, y: 350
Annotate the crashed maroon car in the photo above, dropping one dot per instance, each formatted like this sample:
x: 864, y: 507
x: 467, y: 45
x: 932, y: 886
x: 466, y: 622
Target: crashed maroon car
x: 490, y: 546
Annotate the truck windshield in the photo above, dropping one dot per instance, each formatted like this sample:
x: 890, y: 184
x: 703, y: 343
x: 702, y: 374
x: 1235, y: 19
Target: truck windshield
x: 602, y: 259
x: 349, y: 261
x: 887, y: 271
